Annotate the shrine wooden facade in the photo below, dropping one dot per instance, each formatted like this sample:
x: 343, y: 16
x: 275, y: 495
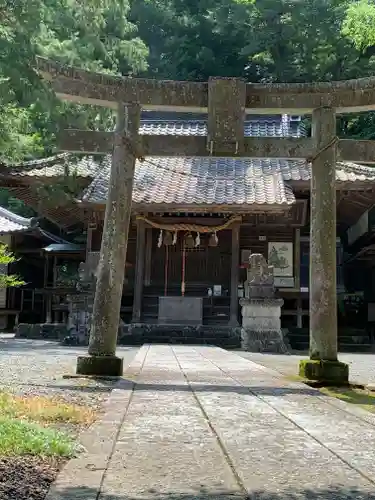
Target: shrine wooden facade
x: 264, y: 202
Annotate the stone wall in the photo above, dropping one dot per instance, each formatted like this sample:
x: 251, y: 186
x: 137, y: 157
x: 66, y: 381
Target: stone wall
x: 45, y: 331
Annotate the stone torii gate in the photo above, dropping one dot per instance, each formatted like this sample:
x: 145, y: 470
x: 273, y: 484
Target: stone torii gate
x: 226, y: 100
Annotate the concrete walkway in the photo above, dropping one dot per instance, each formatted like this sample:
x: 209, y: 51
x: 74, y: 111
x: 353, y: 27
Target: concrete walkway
x: 200, y: 422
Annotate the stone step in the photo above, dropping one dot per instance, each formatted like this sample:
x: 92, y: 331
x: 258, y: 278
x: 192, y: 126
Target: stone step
x: 226, y: 343
x: 355, y: 347
x: 304, y: 346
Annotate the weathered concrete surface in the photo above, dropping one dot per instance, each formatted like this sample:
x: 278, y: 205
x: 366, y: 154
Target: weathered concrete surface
x: 200, y: 422
x: 166, y: 444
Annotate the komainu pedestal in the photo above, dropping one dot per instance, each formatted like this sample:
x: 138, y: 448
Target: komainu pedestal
x: 261, y: 310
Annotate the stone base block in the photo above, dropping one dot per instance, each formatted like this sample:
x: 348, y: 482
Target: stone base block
x: 261, y: 315
x: 263, y: 341
x: 330, y: 372
x: 270, y: 324
x: 110, y: 366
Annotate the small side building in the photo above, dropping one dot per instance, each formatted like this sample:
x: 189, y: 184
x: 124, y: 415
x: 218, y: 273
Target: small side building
x: 37, y: 250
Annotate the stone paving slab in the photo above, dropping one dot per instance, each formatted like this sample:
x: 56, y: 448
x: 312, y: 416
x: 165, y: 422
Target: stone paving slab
x: 192, y: 422
x: 166, y: 444
x: 280, y: 433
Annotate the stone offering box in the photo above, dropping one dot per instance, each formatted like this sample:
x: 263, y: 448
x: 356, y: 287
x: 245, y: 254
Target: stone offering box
x: 180, y: 311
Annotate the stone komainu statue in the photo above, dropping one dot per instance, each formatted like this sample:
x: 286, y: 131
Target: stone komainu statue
x: 259, y: 272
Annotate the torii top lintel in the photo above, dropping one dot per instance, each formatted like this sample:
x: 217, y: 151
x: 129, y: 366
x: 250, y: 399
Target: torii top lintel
x: 82, y: 86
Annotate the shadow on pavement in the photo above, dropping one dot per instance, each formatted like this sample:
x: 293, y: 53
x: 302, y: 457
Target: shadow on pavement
x: 81, y: 388
x: 236, y: 389
x: 128, y: 384
x: 333, y: 493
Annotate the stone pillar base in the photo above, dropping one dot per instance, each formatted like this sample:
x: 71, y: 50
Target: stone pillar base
x: 329, y: 372
x: 110, y: 366
x: 261, y: 326
x: 264, y: 341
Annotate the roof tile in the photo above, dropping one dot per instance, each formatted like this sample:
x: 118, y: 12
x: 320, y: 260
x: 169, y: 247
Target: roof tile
x: 266, y: 127
x: 55, y: 166
x: 11, y: 223
x: 61, y: 164
x: 217, y: 181
x: 199, y: 181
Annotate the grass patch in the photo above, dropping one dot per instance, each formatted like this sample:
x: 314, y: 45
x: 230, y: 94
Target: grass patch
x: 295, y: 378
x: 44, y: 410
x: 24, y: 425
x: 352, y: 394
x: 25, y: 438
x: 359, y: 397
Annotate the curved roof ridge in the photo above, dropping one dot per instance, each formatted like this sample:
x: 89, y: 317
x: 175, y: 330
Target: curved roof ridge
x: 40, y: 161
x: 18, y: 219
x: 356, y: 166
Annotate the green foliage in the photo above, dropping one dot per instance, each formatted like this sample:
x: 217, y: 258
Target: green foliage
x: 96, y: 35
x: 359, y: 24
x: 8, y: 280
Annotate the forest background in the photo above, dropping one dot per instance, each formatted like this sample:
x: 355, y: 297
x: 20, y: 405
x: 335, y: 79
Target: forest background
x: 260, y: 40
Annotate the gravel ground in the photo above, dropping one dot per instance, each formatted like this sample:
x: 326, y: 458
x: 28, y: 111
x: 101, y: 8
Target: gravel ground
x: 33, y: 367
x: 36, y: 367
x: 361, y: 366
x: 26, y: 478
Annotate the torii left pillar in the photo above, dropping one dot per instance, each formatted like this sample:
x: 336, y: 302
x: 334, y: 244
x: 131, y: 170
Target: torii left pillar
x: 102, y: 359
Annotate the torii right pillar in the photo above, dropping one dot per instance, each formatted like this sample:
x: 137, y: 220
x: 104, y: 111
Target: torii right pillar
x: 323, y: 365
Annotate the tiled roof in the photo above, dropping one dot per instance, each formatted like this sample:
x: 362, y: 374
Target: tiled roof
x: 200, y: 181
x: 11, y: 223
x: 63, y: 248
x: 61, y: 164
x: 217, y: 181
x: 255, y: 127
x: 351, y: 172
x: 54, y: 166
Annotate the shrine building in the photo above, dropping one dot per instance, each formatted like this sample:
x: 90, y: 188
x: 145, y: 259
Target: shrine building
x: 195, y: 221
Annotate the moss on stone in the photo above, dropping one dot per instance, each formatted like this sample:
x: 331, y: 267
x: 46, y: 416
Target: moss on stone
x: 111, y: 366
x: 330, y: 372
